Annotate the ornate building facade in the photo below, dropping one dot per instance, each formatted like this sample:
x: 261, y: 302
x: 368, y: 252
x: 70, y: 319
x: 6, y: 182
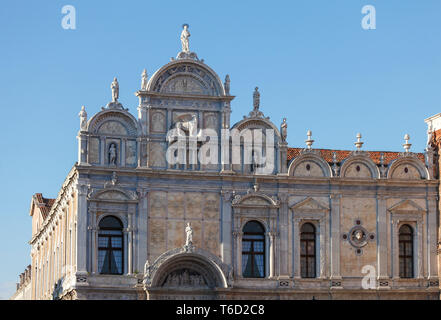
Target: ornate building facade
x: 144, y: 215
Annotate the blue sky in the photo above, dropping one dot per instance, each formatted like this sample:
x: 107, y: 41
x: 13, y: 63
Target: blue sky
x: 311, y: 59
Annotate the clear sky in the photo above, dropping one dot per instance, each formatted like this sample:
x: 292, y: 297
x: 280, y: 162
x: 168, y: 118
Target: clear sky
x: 311, y: 59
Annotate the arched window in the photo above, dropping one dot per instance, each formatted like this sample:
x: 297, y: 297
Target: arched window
x: 110, y: 246
x: 405, y: 240
x: 253, y: 250
x: 307, y: 251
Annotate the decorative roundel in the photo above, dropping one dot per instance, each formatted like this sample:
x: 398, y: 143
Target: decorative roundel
x: 358, y: 236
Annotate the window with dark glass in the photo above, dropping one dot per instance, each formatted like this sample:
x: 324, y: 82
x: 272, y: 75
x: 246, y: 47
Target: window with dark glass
x: 307, y: 251
x: 110, y: 246
x: 405, y: 241
x: 253, y: 250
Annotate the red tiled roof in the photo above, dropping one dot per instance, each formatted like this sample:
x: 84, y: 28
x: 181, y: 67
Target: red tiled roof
x: 44, y: 204
x: 327, y: 154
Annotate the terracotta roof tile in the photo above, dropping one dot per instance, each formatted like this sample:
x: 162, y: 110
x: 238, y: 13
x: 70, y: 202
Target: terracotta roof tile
x: 327, y: 154
x: 43, y: 204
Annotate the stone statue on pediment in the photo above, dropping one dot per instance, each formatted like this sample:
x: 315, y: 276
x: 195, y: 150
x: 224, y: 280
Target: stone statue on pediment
x: 189, y: 233
x: 112, y: 154
x: 185, y: 35
x: 256, y: 99
x: 284, y: 130
x: 227, y: 85
x: 144, y: 78
x: 83, y: 119
x: 115, y: 90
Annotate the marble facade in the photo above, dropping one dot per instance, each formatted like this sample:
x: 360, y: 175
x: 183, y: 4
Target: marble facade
x: 337, y: 193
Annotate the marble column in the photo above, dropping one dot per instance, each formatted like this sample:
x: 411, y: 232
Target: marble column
x: 382, y: 238
x: 395, y: 249
x: 271, y: 237
x: 284, y: 238
x: 142, y: 227
x: 296, y: 235
x: 103, y: 153
x: 81, y: 228
x: 226, y: 251
x: 432, y: 241
x: 420, y: 254
x: 238, y: 238
x: 335, y: 236
x: 322, y: 244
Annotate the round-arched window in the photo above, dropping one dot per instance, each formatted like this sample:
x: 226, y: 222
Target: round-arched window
x: 253, y: 250
x: 110, y: 246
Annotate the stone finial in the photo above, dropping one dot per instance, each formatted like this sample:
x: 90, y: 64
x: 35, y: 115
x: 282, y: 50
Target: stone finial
x: 382, y: 166
x: 406, y: 145
x: 144, y: 78
x: 309, y: 141
x: 227, y: 85
x: 358, y: 143
x: 83, y: 119
x: 256, y: 99
x: 335, y: 168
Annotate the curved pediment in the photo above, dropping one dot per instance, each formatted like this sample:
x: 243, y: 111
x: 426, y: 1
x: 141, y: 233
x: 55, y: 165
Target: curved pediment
x: 255, y: 200
x: 113, y: 194
x: 177, y: 268
x: 407, y: 168
x: 186, y: 77
x: 359, y: 166
x: 113, y: 122
x: 309, y: 165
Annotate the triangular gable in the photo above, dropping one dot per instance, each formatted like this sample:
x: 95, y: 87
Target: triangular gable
x: 309, y: 204
x: 406, y: 206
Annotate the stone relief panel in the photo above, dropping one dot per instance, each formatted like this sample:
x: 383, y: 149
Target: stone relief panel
x: 308, y: 169
x: 186, y: 85
x: 157, y: 238
x: 363, y: 211
x: 176, y: 235
x: 157, y: 155
x: 183, y: 116
x: 211, y: 121
x: 358, y: 170
x: 112, y: 128
x: 197, y: 80
x: 94, y: 150
x: 212, y: 205
x: 194, y: 205
x: 406, y: 171
x: 130, y: 152
x: 112, y: 195
x: 158, y: 204
x: 255, y: 201
x: 211, y: 236
x: 158, y: 123
x: 185, y: 278
x: 176, y: 205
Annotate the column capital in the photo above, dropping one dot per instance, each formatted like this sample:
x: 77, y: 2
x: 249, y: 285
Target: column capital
x: 335, y: 196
